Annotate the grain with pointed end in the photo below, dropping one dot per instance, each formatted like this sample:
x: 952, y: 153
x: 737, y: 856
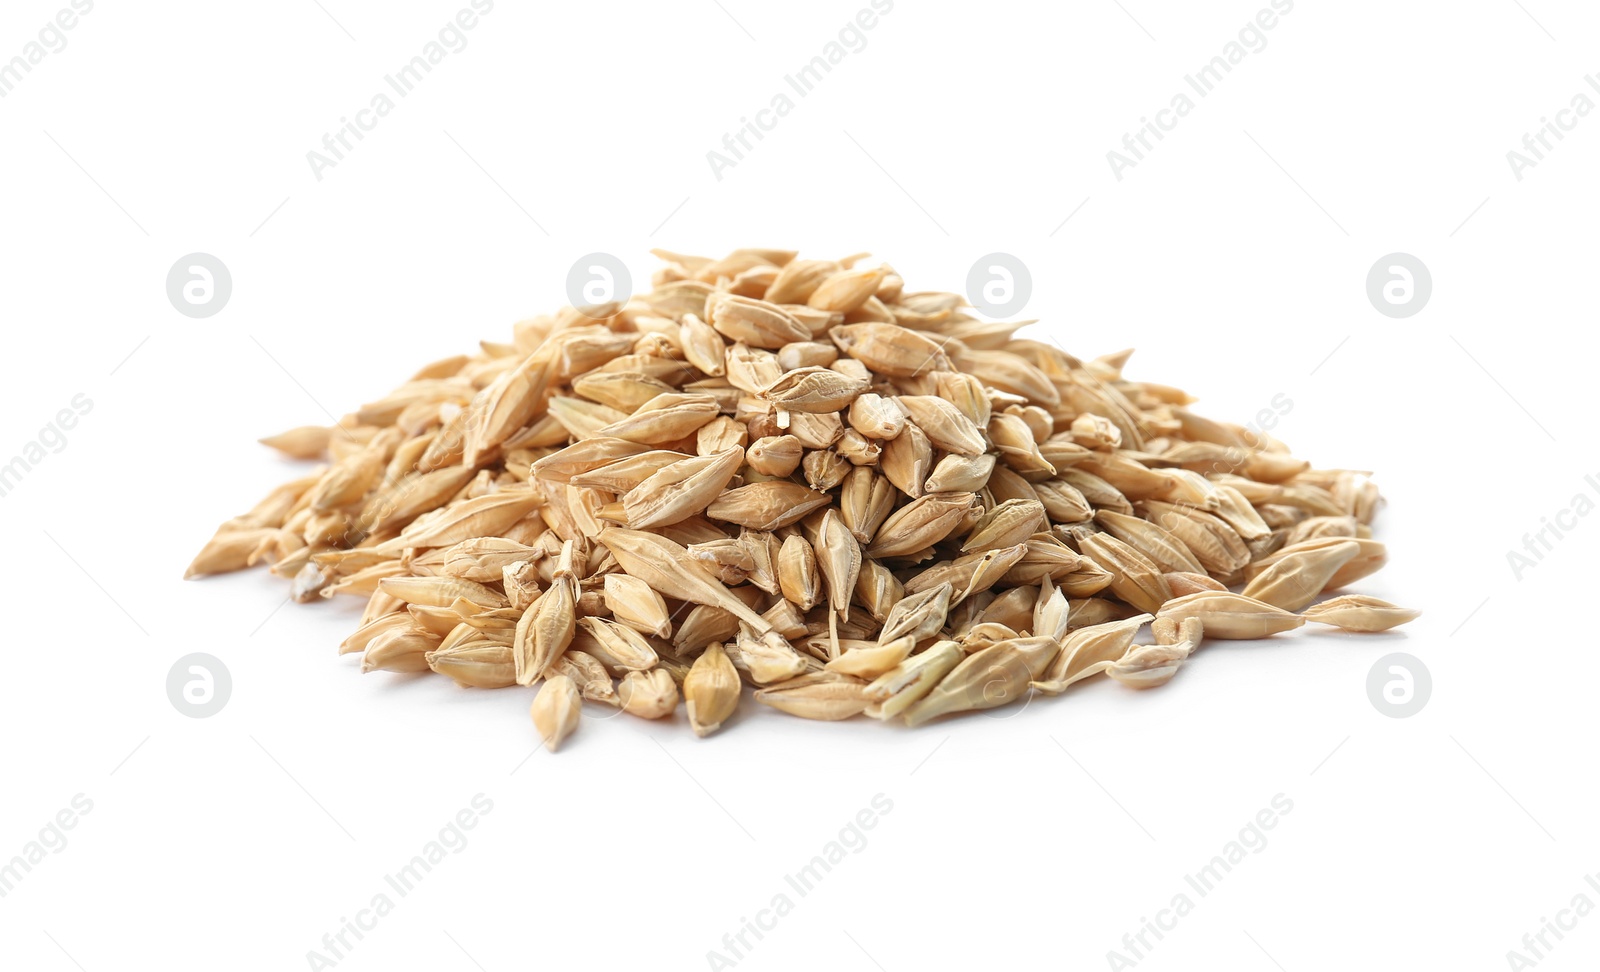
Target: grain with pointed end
x: 987, y: 678
x: 680, y: 490
x: 814, y: 390
x: 555, y: 711
x: 774, y: 455
x: 825, y: 696
x: 1232, y: 616
x: 616, y: 646
x: 667, y: 567
x: 635, y: 603
x: 710, y: 690
x: 755, y: 322
x: 1087, y: 651
x: 1007, y: 524
x: 648, y: 695
x: 944, y: 424
x: 799, y: 575
x: 547, y: 626
x: 1296, y: 579
x: 877, y: 417
x: 921, y: 523
x: 896, y: 690
x: 766, y: 506
x: 1135, y: 578
x: 586, y: 672
x: 890, y: 349
x: 1147, y: 666
x: 702, y: 345
x: 865, y: 501
x: 1358, y: 612
x: 479, y: 664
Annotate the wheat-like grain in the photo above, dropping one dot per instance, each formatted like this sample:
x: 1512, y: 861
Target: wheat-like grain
x: 795, y: 474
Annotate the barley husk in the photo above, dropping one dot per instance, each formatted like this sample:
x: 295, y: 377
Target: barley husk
x: 987, y: 678
x: 555, y: 711
x: 1228, y: 615
x: 648, y: 695
x: 710, y: 690
x: 825, y: 696
x: 1358, y: 612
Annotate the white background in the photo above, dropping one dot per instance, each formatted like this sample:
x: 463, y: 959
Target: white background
x: 1233, y: 257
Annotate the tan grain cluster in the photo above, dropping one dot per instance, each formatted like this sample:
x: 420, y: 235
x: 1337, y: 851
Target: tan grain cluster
x: 798, y: 475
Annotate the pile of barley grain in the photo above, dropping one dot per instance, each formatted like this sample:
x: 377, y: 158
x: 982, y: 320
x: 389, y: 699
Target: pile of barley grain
x: 795, y: 474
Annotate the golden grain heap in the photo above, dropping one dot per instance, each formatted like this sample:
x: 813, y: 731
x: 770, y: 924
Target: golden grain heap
x: 795, y: 474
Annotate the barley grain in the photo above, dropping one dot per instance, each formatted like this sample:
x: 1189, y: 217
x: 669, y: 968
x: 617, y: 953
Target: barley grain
x: 796, y: 473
